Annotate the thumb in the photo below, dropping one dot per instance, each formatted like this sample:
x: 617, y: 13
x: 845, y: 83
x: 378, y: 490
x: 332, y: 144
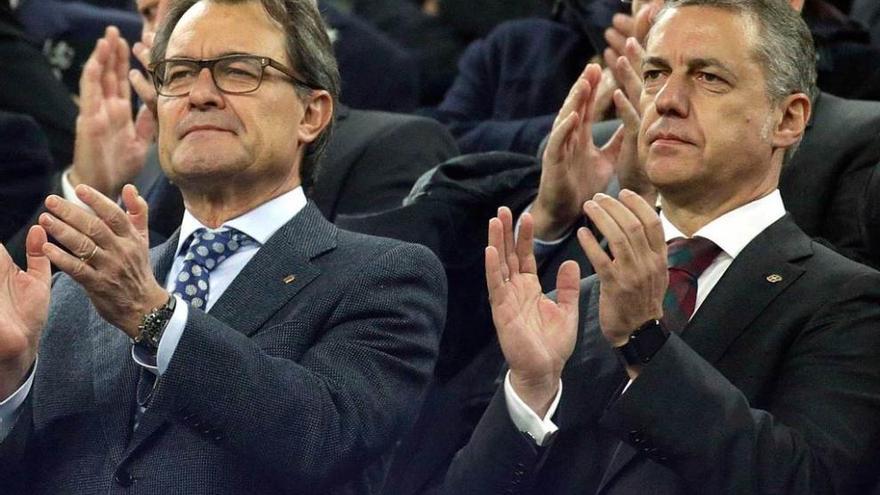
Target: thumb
x: 137, y: 209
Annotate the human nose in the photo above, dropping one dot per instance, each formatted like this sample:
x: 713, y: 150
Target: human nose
x: 204, y: 91
x: 673, y: 97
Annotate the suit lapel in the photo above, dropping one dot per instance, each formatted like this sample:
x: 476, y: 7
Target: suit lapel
x: 116, y: 374
x: 283, y: 267
x: 762, y: 271
x: 247, y: 304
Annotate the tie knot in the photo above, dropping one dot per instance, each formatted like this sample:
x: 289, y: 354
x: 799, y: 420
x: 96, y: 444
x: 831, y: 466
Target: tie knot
x: 208, y: 249
x: 691, y: 255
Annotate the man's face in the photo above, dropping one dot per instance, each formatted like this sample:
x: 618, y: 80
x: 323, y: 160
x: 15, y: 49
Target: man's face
x: 208, y: 137
x: 152, y: 12
x: 707, y: 120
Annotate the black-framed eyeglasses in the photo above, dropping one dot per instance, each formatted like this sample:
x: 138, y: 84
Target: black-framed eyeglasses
x: 233, y: 74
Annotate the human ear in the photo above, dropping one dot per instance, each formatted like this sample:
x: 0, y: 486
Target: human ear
x: 793, y: 116
x: 317, y: 115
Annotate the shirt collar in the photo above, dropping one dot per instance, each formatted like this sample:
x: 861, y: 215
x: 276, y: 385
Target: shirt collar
x: 259, y: 223
x: 734, y: 230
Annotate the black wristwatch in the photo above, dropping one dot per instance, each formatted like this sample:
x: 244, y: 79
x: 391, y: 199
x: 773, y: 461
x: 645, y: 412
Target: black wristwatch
x: 153, y: 325
x: 643, y: 344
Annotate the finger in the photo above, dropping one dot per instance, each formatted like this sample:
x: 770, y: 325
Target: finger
x: 90, y: 90
x: 643, y: 21
x: 615, y: 39
x: 81, y: 246
x: 137, y: 209
x: 599, y: 259
x: 86, y: 223
x: 629, y: 80
x: 568, y: 286
x: 78, y: 269
x: 109, y: 83
x: 144, y: 88
x: 612, y: 148
x: 145, y: 126
x: 648, y: 217
x: 572, y: 100
x: 559, y: 136
x: 630, y: 225
x: 38, y: 265
x: 495, y: 278
x: 610, y: 55
x: 627, y: 112
x: 634, y: 53
x: 524, y: 245
x: 142, y: 53
x: 593, y: 76
x: 123, y: 65
x: 105, y: 208
x: 506, y: 218
x: 623, y: 23
x: 597, y: 210
x: 496, y: 241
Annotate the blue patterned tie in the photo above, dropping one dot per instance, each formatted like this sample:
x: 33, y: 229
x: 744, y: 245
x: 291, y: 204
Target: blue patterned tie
x: 206, y: 251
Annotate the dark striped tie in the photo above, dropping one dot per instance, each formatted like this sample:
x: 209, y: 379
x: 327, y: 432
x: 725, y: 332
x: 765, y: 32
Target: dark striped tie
x: 687, y: 258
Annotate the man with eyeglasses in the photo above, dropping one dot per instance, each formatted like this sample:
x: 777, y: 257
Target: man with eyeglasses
x: 260, y: 349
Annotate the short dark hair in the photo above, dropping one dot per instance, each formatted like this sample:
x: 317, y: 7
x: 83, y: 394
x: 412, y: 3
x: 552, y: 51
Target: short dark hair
x: 786, y: 49
x: 309, y: 51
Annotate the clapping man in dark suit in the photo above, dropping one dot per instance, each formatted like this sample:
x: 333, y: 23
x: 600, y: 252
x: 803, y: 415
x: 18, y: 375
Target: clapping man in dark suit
x: 260, y: 349
x: 746, y: 362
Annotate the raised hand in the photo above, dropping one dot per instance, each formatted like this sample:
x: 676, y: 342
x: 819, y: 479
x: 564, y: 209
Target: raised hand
x: 110, y: 253
x: 634, y: 278
x: 110, y: 150
x: 24, y: 307
x: 573, y: 168
x: 537, y: 335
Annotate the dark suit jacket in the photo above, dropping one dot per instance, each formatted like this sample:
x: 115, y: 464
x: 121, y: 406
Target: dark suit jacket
x: 25, y: 170
x: 377, y: 73
x: 511, y: 84
x: 871, y: 218
x: 298, y: 387
x: 771, y: 388
x: 28, y: 86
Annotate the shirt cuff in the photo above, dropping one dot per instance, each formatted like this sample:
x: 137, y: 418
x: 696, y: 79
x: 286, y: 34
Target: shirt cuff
x: 69, y: 194
x: 159, y: 362
x: 10, y: 407
x: 525, y: 420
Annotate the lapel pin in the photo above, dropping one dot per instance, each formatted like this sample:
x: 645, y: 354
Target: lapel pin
x: 289, y: 279
x: 774, y: 278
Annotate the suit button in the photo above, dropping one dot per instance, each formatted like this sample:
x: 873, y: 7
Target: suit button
x: 123, y: 478
x: 637, y: 437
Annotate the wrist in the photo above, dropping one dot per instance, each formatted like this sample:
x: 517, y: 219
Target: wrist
x: 536, y: 392
x: 13, y: 373
x: 551, y: 223
x: 156, y: 299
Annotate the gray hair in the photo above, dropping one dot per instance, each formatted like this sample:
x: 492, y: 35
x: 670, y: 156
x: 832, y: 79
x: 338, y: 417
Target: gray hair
x: 785, y: 48
x: 309, y: 51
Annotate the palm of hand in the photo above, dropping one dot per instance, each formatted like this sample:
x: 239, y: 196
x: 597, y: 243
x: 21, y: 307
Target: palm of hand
x: 535, y: 333
x: 24, y: 304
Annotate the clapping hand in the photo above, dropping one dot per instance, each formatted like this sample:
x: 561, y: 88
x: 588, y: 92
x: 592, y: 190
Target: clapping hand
x: 24, y: 308
x: 537, y: 334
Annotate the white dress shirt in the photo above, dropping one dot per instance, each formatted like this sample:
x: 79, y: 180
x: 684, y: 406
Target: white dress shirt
x: 260, y: 223
x: 731, y: 232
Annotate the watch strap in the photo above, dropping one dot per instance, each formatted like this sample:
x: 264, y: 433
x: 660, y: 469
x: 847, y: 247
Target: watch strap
x: 153, y: 324
x: 643, y: 344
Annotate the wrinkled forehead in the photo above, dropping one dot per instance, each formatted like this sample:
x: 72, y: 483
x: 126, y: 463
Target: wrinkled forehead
x: 703, y: 32
x: 210, y: 29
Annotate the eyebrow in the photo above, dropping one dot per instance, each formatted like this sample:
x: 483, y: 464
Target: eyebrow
x: 220, y: 55
x: 693, y: 64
